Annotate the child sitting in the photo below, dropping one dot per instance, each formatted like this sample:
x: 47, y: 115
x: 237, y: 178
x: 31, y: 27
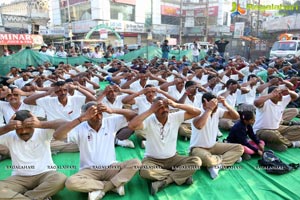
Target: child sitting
x: 239, y: 134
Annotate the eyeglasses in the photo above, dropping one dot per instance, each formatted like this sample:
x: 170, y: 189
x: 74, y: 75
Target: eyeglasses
x: 162, y: 137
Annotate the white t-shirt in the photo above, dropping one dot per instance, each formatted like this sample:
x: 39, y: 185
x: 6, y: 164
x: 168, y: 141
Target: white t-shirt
x: 172, y: 90
x: 196, y: 103
x: 97, y: 149
x: 61, y: 54
x: 247, y: 98
x: 55, y: 110
x: 156, y: 146
x: 230, y: 99
x: 195, y: 50
x: 8, y: 111
x: 136, y: 86
x: 202, y: 81
x: 270, y: 115
x: 32, y: 157
x: 116, y: 104
x: 206, y: 136
x: 142, y: 104
x: 20, y: 82
x: 215, y: 90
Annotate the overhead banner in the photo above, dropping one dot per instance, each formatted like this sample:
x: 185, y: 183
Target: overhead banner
x: 239, y: 29
x: 20, y: 39
x: 170, y: 10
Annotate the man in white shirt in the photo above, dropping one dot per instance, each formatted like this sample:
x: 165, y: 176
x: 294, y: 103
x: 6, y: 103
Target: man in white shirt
x: 61, y: 52
x: 192, y: 96
x: 96, y: 53
x: 195, y: 52
x: 110, y: 98
x: 95, y: 135
x: 245, y: 101
x: 43, y: 49
x: 161, y: 163
x: 34, y: 175
x: 20, y: 81
x: 214, y: 155
x: 50, y: 50
x: 143, y: 103
x: 61, y: 106
x: 269, y: 111
x: 175, y: 88
x: 230, y: 95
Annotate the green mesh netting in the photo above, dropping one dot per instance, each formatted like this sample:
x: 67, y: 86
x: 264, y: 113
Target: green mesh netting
x: 29, y: 57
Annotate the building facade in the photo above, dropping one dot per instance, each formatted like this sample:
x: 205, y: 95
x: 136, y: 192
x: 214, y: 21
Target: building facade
x: 134, y: 20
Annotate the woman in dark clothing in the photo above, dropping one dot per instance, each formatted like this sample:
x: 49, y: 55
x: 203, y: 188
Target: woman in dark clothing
x: 239, y: 134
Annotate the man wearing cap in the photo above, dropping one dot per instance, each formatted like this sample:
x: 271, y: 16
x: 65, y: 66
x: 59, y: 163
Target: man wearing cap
x: 44, y: 49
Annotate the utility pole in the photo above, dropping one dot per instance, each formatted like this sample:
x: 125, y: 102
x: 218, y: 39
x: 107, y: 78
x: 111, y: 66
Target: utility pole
x: 181, y: 22
x: 257, y: 21
x: 207, y: 20
x: 69, y: 22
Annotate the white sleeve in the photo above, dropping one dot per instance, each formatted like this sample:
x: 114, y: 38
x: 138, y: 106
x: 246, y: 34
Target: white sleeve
x: 73, y: 136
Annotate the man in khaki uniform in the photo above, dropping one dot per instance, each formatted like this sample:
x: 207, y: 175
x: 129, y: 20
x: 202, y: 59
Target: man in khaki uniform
x: 95, y: 136
x: 34, y: 175
x: 161, y: 163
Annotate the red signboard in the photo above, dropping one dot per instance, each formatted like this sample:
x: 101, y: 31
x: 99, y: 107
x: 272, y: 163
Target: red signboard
x: 131, y: 2
x: 170, y: 10
x: 201, y: 12
x: 19, y: 39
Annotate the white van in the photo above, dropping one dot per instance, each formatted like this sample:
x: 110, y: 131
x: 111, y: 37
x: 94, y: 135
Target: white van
x: 204, y: 45
x: 285, y: 48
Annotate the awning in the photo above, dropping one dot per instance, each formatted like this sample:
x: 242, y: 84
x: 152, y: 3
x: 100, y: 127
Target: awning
x: 249, y: 38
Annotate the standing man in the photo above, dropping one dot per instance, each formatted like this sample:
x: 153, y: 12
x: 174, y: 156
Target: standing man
x: 165, y: 49
x: 34, y: 175
x: 99, y: 170
x: 221, y: 44
x: 161, y: 163
x: 195, y: 52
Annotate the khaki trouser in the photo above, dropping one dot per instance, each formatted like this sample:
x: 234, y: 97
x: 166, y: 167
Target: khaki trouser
x: 140, y: 134
x: 4, y: 150
x: 225, y: 124
x: 87, y: 180
x: 289, y: 114
x: 38, y: 186
x: 62, y: 146
x: 221, y: 153
x: 179, y: 168
x: 185, y: 130
x: 283, y: 135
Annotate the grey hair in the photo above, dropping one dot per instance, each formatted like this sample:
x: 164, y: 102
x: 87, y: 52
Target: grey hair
x: 87, y: 105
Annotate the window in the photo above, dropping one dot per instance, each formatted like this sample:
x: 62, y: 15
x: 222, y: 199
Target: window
x: 122, y: 12
x: 77, y: 12
x: 172, y: 20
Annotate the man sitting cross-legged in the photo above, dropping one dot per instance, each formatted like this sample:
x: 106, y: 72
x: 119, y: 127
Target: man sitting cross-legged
x: 95, y: 136
x: 161, y: 163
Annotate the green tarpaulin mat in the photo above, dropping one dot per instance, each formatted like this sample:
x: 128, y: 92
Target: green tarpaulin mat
x: 243, y: 181
x: 30, y: 57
